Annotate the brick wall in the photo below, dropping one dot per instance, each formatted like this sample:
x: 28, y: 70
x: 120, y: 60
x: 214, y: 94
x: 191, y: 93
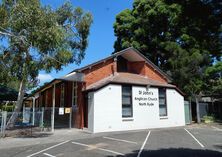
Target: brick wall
x: 136, y: 67
x: 145, y: 69
x: 153, y: 74
x: 99, y: 71
x: 107, y: 68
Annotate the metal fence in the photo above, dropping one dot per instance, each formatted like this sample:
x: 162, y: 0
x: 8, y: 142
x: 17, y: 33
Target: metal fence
x: 29, y: 122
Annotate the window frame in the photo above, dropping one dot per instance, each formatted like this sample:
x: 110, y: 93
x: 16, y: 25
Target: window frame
x: 165, y: 102
x: 130, y: 105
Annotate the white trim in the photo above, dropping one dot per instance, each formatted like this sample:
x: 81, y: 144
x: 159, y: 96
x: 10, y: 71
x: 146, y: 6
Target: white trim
x: 163, y: 117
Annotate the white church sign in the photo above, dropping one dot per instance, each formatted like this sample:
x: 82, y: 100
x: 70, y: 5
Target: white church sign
x: 145, y: 97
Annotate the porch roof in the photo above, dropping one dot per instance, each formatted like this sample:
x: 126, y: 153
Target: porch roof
x: 78, y: 77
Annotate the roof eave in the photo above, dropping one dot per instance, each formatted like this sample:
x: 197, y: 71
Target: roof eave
x: 113, y: 82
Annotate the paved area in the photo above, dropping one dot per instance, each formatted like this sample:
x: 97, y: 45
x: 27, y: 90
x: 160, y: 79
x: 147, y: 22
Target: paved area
x: 189, y: 141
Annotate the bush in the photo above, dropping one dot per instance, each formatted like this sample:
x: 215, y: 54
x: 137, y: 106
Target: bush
x: 209, y: 119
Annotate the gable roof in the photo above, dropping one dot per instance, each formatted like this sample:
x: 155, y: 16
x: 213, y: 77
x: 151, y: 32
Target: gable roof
x: 129, y: 52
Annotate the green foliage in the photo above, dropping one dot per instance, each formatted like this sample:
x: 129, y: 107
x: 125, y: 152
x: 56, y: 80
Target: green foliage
x: 9, y: 108
x: 35, y: 37
x: 40, y: 38
x: 214, y: 79
x: 181, y: 37
x: 209, y: 119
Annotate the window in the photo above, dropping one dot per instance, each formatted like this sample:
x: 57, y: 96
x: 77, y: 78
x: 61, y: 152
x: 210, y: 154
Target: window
x: 162, y: 102
x: 127, y: 101
x: 74, y: 93
x: 62, y: 95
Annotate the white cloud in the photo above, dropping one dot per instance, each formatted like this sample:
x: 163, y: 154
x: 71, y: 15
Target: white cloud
x: 45, y: 78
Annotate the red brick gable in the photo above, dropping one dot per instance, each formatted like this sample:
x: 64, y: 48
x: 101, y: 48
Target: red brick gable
x: 136, y: 67
x: 145, y: 69
x: 105, y: 69
x: 153, y: 74
x: 99, y: 71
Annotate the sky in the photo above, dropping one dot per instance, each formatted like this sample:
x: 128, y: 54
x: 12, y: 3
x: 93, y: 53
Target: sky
x: 101, y: 38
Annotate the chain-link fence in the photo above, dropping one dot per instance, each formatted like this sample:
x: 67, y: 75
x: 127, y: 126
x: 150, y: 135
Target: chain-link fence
x: 32, y: 122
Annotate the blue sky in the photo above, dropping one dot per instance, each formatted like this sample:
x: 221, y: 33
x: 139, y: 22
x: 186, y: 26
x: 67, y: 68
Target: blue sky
x: 101, y: 37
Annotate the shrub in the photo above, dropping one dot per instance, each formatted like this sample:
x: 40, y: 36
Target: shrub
x: 209, y: 119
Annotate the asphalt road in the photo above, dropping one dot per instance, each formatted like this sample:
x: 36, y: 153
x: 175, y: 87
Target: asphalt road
x: 198, y: 141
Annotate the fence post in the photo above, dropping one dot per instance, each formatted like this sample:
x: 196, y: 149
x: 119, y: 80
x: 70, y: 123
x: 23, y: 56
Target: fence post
x: 3, y: 124
x: 33, y: 111
x: 70, y: 118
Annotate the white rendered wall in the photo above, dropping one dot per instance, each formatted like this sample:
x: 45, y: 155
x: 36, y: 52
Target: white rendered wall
x: 108, y: 110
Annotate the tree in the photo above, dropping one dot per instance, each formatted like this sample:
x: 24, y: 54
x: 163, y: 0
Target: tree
x: 153, y: 25
x: 37, y: 38
x: 214, y: 79
x: 181, y: 37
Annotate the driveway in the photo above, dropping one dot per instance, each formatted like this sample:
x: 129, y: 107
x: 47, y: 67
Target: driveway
x: 189, y: 141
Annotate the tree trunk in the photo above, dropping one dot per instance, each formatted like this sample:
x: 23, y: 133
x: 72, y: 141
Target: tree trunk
x: 197, y: 108
x: 18, y: 105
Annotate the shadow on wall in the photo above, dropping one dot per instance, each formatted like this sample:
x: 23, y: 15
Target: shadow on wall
x: 173, y: 152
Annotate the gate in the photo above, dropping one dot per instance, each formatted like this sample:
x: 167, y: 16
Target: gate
x: 187, y: 110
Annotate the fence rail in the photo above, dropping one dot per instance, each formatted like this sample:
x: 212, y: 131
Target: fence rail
x: 41, y: 120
